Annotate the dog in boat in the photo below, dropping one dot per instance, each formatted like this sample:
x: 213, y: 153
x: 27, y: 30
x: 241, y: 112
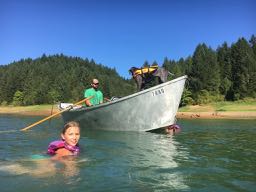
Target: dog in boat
x: 144, y: 75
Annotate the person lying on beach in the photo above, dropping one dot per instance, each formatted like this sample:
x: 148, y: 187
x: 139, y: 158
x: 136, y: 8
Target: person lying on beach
x: 69, y: 144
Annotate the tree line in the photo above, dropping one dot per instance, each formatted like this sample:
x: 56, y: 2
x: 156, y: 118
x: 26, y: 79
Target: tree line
x: 227, y: 73
x: 50, y: 79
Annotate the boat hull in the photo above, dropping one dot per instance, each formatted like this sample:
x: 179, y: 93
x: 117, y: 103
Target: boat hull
x: 146, y: 110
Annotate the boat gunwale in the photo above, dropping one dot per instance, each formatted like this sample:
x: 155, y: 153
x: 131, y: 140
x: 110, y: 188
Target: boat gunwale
x: 84, y: 108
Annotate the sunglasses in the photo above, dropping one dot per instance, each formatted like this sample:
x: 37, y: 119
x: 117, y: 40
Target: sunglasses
x: 95, y: 83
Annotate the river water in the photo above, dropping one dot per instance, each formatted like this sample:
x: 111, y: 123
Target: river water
x: 207, y: 155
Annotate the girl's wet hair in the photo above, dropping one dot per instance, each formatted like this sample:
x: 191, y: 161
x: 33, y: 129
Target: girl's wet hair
x: 70, y: 124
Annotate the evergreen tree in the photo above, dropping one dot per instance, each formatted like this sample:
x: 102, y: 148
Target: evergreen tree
x: 187, y: 67
x: 243, y: 69
x: 252, y: 70
x: 204, y: 71
x: 253, y: 44
x: 224, y: 60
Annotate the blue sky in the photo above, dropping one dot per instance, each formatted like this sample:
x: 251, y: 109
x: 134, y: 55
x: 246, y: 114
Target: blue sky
x: 120, y: 33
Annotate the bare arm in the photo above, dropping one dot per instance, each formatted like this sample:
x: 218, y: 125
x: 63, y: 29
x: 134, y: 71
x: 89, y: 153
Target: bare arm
x: 88, y: 103
x: 62, y: 152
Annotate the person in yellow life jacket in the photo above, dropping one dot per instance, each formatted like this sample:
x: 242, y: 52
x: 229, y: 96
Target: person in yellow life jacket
x: 95, y: 92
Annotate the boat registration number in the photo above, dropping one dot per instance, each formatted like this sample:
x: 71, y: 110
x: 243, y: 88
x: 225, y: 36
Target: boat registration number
x: 158, y: 92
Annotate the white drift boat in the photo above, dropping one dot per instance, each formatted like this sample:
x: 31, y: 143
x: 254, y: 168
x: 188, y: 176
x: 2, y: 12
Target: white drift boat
x: 146, y: 110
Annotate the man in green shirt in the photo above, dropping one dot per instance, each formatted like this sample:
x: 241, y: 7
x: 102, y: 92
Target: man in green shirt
x: 93, y: 91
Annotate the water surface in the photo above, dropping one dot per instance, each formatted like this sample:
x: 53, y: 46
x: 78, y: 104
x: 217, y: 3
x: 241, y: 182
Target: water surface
x: 207, y: 155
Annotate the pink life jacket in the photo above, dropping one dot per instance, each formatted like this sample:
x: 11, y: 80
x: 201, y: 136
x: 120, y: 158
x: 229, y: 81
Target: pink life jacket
x: 55, y: 145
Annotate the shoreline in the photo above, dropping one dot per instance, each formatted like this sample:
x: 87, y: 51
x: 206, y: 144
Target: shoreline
x: 28, y: 111
x: 217, y: 115
x: 49, y: 110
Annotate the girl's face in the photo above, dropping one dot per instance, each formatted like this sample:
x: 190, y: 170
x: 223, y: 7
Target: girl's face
x: 71, y: 136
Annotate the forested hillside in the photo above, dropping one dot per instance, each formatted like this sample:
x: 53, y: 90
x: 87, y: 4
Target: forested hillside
x: 50, y: 79
x: 227, y: 73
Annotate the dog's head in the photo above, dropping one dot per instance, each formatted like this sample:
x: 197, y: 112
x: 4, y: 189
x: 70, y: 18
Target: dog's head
x: 132, y: 70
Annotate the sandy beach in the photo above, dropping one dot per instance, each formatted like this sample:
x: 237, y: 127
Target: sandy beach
x: 48, y: 110
x: 217, y: 115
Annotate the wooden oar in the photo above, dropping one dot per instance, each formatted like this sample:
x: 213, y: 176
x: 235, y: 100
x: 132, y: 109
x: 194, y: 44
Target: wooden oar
x: 53, y: 115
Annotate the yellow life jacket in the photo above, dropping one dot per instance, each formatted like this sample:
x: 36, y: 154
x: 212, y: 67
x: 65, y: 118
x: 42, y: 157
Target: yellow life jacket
x: 144, y: 70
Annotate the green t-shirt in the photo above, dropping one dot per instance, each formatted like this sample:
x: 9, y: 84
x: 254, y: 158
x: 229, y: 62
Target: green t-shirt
x: 98, y: 96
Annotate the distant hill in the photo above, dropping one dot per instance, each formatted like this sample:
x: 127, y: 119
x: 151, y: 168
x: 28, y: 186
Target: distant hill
x: 50, y: 79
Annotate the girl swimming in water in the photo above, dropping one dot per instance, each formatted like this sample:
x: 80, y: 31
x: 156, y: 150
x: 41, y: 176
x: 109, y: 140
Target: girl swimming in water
x: 69, y: 144
x: 43, y: 166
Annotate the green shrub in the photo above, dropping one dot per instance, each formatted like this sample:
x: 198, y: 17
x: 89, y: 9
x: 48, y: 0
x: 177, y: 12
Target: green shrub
x: 4, y: 103
x: 205, y: 97
x: 18, y: 98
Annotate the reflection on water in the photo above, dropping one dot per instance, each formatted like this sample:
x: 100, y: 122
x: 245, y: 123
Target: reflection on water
x: 159, y: 163
x: 142, y: 160
x: 204, y: 156
x: 39, y: 168
x: 45, y: 167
